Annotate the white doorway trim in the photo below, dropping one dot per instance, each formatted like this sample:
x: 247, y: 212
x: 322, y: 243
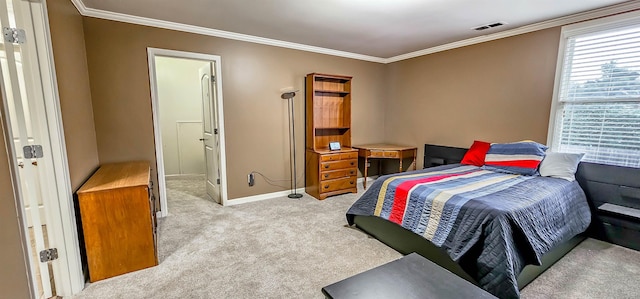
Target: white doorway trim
x: 60, y: 213
x: 162, y: 187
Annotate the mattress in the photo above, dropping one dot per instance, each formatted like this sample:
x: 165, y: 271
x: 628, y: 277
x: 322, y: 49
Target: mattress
x: 511, y: 220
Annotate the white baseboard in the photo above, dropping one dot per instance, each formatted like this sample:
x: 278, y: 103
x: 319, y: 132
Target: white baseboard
x: 183, y: 176
x: 259, y: 197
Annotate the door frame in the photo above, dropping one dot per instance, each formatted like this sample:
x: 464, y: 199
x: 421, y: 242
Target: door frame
x: 155, y: 103
x: 68, y: 275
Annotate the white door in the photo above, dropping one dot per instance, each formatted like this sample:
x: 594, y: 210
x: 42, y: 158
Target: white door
x: 23, y: 92
x: 210, y: 131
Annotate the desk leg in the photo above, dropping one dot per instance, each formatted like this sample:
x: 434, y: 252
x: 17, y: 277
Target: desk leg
x: 366, y: 168
x: 415, y: 153
x: 400, y: 163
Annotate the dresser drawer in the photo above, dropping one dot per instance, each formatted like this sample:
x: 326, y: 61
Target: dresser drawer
x: 336, y: 174
x: 347, y: 156
x: 330, y: 157
x: 339, y: 156
x: 342, y: 164
x: 338, y: 184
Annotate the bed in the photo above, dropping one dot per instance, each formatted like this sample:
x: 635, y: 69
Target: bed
x: 498, y: 231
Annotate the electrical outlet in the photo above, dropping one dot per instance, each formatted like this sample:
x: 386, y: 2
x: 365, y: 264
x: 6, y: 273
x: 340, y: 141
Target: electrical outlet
x: 251, y: 179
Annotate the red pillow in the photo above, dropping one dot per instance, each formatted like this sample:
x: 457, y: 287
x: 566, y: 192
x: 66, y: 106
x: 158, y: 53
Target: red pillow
x: 475, y: 155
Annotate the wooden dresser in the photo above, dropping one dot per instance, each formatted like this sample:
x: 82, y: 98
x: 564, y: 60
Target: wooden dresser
x: 331, y: 173
x: 118, y: 220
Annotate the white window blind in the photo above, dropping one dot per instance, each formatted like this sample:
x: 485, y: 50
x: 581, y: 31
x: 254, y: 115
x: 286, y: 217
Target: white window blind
x: 598, y: 100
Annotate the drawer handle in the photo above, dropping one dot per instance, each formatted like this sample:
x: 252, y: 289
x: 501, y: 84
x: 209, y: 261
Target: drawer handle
x: 326, y: 166
x: 326, y: 186
x: 352, y: 172
x: 352, y: 163
x: 326, y: 176
x: 351, y: 182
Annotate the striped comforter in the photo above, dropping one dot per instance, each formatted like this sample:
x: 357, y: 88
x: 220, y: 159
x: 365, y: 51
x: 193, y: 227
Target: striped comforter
x: 516, y: 219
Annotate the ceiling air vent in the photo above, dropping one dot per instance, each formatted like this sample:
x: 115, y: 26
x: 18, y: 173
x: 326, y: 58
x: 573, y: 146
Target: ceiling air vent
x: 488, y: 26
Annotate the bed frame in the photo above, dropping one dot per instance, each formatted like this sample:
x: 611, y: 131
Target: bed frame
x: 406, y: 241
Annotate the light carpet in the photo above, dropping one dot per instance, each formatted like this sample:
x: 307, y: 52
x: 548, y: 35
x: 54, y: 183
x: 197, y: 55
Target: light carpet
x: 291, y: 248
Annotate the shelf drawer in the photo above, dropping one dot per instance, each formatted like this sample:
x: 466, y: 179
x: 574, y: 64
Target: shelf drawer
x: 342, y: 164
x: 338, y: 184
x: 336, y: 174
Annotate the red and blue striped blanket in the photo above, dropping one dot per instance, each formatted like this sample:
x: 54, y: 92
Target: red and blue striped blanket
x: 516, y: 218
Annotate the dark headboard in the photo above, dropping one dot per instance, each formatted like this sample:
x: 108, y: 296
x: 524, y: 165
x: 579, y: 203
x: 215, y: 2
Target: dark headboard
x: 435, y: 155
x: 602, y: 184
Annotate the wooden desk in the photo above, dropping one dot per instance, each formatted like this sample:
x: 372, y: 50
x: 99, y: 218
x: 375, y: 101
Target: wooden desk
x: 385, y: 151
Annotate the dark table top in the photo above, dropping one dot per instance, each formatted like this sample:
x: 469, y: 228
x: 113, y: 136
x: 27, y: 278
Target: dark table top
x: 412, y: 276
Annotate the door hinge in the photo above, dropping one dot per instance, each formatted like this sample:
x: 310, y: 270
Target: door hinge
x: 48, y: 255
x: 14, y: 35
x: 213, y: 79
x: 32, y: 151
x: 215, y: 131
x: 218, y: 181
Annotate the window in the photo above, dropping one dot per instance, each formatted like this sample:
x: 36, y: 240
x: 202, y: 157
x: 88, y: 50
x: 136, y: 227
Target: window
x: 596, y: 105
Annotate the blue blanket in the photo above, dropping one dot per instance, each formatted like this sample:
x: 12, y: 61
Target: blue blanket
x: 515, y: 219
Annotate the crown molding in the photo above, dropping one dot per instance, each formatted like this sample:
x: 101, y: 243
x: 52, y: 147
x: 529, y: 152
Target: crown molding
x: 570, y: 19
x: 566, y: 20
x: 113, y: 16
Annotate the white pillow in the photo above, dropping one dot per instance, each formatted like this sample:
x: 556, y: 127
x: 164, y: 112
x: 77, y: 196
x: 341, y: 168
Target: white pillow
x: 560, y: 165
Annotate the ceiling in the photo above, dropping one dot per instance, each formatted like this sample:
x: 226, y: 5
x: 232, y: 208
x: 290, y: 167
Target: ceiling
x: 378, y: 28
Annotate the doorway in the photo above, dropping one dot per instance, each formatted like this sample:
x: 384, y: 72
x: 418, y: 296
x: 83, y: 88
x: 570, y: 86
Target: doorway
x: 188, y: 120
x: 33, y: 133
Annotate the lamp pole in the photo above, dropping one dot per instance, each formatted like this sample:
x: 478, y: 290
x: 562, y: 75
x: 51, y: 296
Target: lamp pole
x: 292, y: 144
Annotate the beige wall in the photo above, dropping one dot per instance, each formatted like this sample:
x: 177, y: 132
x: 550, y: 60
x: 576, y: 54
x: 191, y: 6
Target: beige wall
x: 67, y: 38
x: 252, y: 75
x: 13, y: 272
x: 496, y: 91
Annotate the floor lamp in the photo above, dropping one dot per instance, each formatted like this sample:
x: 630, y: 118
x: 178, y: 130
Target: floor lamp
x: 292, y: 143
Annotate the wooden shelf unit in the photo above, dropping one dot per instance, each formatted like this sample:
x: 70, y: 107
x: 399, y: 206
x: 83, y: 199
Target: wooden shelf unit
x: 328, y: 119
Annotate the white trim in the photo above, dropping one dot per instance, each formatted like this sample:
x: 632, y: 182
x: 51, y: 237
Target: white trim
x: 70, y: 280
x: 162, y: 185
x: 114, y: 16
x: 579, y: 17
x: 574, y: 18
x: 602, y: 24
x: 169, y: 177
x: 260, y: 197
x: 61, y: 215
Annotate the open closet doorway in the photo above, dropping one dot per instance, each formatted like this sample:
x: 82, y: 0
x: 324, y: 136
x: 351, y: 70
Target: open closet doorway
x: 188, y: 123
